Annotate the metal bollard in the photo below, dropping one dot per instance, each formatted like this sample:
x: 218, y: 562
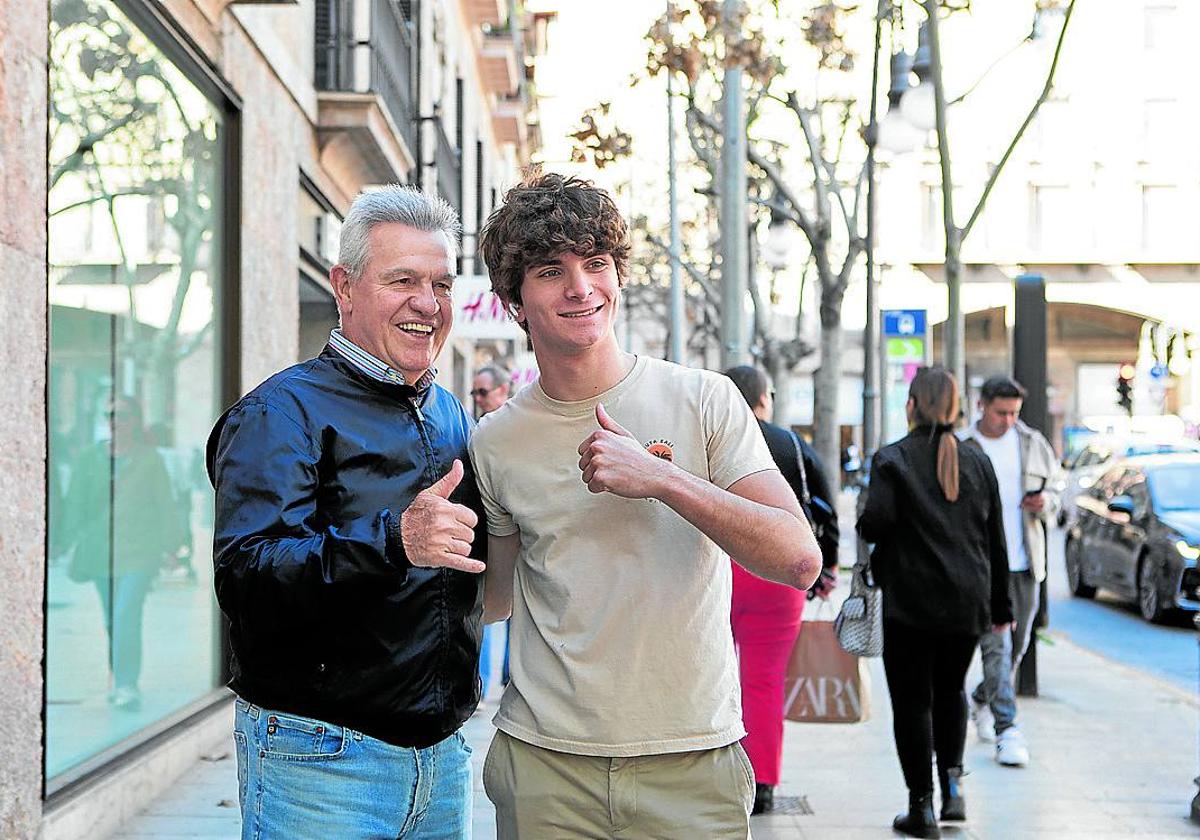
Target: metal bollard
x: 1196, y: 781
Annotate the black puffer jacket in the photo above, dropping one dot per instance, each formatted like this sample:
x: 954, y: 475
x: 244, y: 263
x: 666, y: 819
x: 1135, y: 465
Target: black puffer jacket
x: 943, y: 566
x: 327, y: 618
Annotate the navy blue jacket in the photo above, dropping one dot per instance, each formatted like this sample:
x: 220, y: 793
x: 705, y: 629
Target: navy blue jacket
x: 327, y: 618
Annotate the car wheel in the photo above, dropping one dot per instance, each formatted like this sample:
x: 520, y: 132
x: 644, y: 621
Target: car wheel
x: 1074, y: 559
x: 1149, y: 601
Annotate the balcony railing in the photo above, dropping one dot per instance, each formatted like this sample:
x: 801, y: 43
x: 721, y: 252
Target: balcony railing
x: 448, y: 161
x: 380, y: 61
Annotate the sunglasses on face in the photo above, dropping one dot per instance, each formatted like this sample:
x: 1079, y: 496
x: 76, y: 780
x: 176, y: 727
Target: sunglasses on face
x: 482, y: 392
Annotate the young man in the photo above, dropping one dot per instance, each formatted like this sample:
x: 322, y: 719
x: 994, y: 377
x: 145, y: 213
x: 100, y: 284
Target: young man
x: 614, y: 488
x: 345, y: 554
x: 1027, y: 472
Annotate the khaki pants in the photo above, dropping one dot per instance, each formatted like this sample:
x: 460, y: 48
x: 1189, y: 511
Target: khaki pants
x: 541, y: 794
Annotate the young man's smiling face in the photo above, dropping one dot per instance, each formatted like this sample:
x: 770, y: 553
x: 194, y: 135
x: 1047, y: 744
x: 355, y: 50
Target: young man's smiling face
x: 400, y: 311
x: 569, y: 303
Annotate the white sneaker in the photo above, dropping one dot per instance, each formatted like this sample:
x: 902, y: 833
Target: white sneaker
x: 1011, y: 750
x: 985, y: 723
x: 126, y: 698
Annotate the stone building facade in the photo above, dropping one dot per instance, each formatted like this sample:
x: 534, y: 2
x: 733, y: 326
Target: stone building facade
x: 181, y: 168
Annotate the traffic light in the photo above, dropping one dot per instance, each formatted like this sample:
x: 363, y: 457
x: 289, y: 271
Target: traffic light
x: 1125, y: 388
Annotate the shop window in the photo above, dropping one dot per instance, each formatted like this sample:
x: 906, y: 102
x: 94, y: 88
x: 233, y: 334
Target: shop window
x: 136, y: 153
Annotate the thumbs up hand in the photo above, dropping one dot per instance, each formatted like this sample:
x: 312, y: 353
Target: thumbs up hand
x: 436, y: 531
x: 612, y: 461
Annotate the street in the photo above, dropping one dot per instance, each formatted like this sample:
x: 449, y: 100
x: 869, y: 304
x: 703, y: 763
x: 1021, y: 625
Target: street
x: 1114, y: 629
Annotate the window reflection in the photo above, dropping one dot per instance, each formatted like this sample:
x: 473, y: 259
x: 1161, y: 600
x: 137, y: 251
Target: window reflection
x: 135, y: 154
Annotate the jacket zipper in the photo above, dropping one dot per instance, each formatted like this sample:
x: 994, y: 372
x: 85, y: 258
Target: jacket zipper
x: 431, y: 474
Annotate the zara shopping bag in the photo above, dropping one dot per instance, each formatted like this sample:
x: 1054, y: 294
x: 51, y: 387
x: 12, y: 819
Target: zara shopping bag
x: 824, y: 683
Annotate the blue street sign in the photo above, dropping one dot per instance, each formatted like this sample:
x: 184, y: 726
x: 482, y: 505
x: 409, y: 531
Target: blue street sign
x: 903, y: 322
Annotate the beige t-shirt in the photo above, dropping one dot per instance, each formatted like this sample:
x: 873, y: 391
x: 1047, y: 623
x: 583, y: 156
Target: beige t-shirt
x: 620, y: 640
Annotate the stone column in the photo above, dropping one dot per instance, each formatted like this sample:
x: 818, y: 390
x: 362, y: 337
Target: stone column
x: 23, y: 346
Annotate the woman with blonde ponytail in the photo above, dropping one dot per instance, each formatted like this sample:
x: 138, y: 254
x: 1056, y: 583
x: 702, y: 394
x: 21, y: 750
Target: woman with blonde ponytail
x: 933, y: 514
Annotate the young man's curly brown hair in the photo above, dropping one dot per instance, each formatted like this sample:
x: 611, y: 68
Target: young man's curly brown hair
x: 544, y: 215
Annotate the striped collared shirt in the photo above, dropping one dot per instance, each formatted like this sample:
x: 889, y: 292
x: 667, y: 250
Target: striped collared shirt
x: 372, y: 366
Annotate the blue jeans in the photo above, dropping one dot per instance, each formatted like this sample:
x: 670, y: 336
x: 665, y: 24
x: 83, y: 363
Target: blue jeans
x: 1002, y: 653
x: 122, y: 599
x: 300, y: 778
x: 493, y: 634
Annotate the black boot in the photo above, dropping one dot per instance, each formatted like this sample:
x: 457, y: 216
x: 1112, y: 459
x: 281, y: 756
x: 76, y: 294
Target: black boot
x: 764, y: 798
x: 919, y: 821
x: 954, y: 805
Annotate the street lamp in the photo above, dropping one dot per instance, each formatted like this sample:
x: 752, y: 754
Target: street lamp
x: 917, y: 104
x: 896, y: 134
x: 780, y: 241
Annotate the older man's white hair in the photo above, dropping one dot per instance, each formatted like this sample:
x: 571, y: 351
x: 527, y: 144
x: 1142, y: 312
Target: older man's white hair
x: 392, y: 203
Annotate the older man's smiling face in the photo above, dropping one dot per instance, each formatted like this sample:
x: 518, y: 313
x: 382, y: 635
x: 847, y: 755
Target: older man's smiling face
x: 400, y: 310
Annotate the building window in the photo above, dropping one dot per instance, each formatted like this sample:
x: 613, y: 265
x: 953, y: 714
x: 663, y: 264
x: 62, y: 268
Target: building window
x: 320, y: 227
x: 320, y: 230
x: 1053, y: 222
x: 1161, y: 134
x: 932, y: 229
x: 1162, y: 220
x: 136, y: 155
x: 1055, y: 128
x: 1159, y: 28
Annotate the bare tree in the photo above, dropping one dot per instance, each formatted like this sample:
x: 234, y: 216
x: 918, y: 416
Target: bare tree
x: 955, y: 235
x: 816, y: 183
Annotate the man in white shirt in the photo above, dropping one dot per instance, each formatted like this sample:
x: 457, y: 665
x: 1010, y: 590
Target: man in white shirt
x: 615, y: 488
x: 1027, y: 472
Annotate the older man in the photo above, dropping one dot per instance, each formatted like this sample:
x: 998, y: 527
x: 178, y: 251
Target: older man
x: 346, y: 558
x: 490, y: 388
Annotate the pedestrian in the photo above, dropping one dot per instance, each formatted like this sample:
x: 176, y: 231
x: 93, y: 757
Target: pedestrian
x: 345, y: 554
x: 1027, y: 474
x: 933, y: 513
x: 119, y: 549
x: 766, y: 616
x: 490, y: 389
x: 615, y: 487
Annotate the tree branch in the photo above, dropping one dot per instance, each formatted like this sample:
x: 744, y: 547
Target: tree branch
x: 700, y: 279
x: 818, y: 161
x: 991, y: 182
x: 700, y: 142
x: 776, y: 177
x: 939, y: 98
x: 93, y: 199
x: 87, y: 142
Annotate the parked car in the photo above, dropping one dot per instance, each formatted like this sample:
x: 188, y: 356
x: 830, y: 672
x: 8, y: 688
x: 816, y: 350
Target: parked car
x: 1138, y: 535
x: 1090, y: 462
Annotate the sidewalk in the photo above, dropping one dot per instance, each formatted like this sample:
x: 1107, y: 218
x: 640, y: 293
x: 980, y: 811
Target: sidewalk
x: 1114, y: 752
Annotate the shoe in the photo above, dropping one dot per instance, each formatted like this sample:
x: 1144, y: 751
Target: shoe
x: 954, y: 804
x: 1011, y: 750
x: 985, y: 723
x: 764, y: 799
x: 919, y: 821
x: 126, y: 698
